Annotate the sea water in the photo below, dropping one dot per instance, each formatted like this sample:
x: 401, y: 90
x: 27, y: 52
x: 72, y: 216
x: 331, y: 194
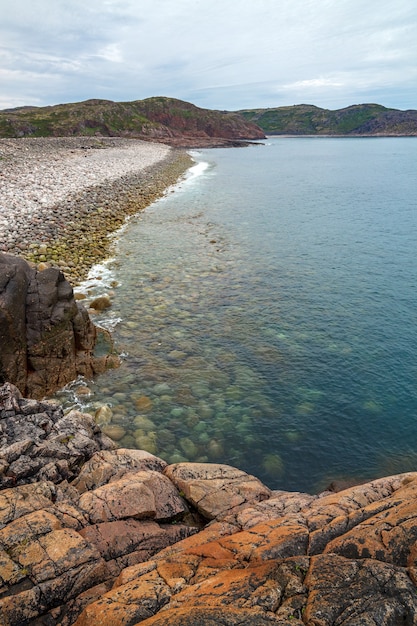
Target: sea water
x: 266, y: 311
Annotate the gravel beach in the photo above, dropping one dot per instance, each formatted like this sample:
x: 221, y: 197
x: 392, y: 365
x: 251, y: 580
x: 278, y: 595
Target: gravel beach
x: 60, y: 198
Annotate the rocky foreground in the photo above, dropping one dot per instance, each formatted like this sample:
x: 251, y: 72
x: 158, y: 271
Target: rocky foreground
x: 90, y: 534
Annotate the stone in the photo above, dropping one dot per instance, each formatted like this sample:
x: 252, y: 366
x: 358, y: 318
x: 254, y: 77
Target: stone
x: 215, y: 489
x: 120, y: 545
x: 358, y: 591
x: 140, y: 540
x: 108, y: 465
x: 39, y: 442
x: 114, y: 431
x: 143, y: 403
x: 209, y: 616
x: 101, y: 303
x: 140, y: 495
x: 46, y: 337
x: 103, y: 415
x: 144, y: 423
x: 264, y: 572
x: 55, y: 559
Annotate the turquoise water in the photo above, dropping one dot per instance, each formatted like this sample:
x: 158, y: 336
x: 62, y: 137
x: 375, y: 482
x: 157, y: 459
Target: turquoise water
x: 266, y: 311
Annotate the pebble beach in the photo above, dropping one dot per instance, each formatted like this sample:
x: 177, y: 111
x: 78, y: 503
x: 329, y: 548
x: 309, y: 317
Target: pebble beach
x: 60, y: 198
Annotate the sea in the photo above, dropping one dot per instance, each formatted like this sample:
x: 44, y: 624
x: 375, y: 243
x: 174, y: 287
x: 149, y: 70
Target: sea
x: 265, y: 311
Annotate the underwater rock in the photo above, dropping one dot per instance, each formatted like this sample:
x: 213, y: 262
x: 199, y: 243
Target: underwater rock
x: 103, y: 415
x: 273, y: 465
x: 215, y: 449
x: 143, y: 422
x: 161, y: 389
x: 147, y: 442
x: 189, y: 448
x: 114, y: 431
x: 101, y: 303
x: 143, y: 403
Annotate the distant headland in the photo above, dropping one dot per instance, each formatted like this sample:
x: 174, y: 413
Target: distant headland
x: 179, y: 123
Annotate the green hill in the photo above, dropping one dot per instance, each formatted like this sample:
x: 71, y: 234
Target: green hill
x: 156, y: 119
x: 181, y: 123
x: 359, y: 119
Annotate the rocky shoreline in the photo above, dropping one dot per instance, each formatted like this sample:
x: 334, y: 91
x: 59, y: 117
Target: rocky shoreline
x: 95, y: 534
x: 90, y: 534
x: 62, y: 197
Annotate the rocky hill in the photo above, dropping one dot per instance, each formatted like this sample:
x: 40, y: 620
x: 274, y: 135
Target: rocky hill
x: 156, y: 119
x: 181, y: 123
x: 359, y: 119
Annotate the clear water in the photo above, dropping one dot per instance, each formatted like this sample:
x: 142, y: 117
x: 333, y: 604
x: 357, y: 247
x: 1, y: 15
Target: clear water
x: 267, y: 313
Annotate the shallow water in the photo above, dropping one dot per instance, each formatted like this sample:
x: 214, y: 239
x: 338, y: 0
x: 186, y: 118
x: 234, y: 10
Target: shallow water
x: 266, y: 311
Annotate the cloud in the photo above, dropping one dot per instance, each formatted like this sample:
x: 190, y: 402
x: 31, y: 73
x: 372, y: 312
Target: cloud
x: 226, y: 55
x: 111, y: 53
x: 314, y: 83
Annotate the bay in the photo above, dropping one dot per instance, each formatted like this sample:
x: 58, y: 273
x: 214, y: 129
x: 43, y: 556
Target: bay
x: 266, y: 311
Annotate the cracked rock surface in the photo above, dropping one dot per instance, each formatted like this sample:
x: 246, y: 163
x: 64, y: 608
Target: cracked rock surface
x: 287, y: 559
x: 38, y: 442
x: 117, y: 537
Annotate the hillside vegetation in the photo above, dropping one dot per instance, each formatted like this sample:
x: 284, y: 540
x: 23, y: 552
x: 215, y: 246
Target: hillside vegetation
x: 181, y: 123
x: 157, y: 119
x: 360, y: 119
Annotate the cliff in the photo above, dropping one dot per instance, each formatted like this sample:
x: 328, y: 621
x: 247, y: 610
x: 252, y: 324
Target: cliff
x: 90, y: 534
x: 154, y: 119
x: 360, y: 119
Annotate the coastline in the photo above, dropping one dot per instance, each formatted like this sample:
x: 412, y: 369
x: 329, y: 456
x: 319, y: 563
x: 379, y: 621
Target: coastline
x: 78, y: 192
x: 94, y: 534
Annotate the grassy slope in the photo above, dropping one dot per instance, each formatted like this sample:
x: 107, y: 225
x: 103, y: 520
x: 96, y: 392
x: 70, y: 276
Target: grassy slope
x: 161, y: 118
x: 361, y: 119
x: 151, y: 118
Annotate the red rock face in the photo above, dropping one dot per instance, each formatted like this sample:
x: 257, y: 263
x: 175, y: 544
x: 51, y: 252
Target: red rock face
x: 182, y: 119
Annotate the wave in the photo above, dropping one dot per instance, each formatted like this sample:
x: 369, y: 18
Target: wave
x: 196, y: 170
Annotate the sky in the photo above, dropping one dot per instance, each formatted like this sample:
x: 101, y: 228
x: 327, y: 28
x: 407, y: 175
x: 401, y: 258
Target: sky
x: 217, y: 54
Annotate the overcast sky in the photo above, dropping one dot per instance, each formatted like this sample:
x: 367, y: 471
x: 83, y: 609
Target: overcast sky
x: 219, y: 54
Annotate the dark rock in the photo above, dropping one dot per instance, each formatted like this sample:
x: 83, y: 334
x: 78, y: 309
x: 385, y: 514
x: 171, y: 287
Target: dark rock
x: 43, y: 444
x: 14, y: 284
x: 354, y: 591
x: 47, y: 339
